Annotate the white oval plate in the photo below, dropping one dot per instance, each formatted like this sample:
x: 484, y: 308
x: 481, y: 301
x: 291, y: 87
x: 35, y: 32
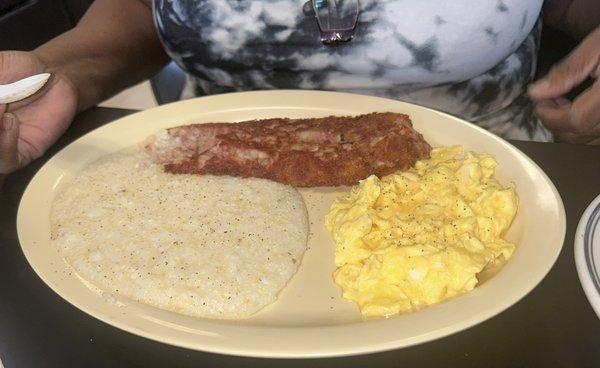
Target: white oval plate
x: 310, y: 319
x: 587, y: 253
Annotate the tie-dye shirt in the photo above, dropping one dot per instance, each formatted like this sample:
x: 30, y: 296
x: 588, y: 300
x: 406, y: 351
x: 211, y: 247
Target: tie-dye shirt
x: 470, y: 58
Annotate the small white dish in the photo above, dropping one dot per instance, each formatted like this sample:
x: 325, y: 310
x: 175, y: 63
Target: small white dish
x: 587, y: 253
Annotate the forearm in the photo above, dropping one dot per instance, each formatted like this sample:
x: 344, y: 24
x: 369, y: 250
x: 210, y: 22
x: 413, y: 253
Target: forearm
x: 114, y: 46
x: 575, y: 17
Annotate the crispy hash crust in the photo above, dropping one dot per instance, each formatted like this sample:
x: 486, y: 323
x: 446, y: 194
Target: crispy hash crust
x: 329, y: 151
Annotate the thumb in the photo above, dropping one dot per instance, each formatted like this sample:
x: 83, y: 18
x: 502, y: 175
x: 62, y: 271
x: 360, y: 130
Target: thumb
x: 9, y: 136
x: 15, y: 65
x: 574, y: 69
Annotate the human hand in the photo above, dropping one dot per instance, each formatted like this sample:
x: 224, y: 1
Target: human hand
x: 576, y: 121
x: 29, y: 127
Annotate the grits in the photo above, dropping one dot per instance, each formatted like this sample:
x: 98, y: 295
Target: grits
x: 217, y: 247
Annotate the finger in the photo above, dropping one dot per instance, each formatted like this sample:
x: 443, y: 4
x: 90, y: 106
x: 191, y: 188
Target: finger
x: 596, y: 72
x: 555, y: 118
x: 9, y: 136
x: 15, y: 65
x: 558, y: 102
x: 584, y: 116
x: 573, y: 70
x: 2, y: 111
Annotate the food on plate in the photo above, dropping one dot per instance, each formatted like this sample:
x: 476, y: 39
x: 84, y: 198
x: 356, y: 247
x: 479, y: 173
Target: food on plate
x: 328, y: 151
x: 219, y: 247
x: 412, y: 239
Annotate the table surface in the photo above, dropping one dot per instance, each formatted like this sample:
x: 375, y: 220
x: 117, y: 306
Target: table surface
x: 553, y: 326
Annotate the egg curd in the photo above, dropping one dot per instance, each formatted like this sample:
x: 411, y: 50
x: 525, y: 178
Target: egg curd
x: 414, y: 238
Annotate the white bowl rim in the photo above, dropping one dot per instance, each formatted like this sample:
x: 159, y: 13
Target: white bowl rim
x: 587, y: 270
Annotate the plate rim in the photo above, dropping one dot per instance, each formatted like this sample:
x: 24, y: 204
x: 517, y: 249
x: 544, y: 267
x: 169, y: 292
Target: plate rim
x: 348, y: 351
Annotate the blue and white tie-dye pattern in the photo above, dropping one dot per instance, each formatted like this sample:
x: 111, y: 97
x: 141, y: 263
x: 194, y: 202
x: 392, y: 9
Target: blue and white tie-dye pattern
x: 469, y: 58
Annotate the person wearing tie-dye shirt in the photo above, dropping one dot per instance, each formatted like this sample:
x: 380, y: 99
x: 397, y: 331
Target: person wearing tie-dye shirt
x: 472, y: 59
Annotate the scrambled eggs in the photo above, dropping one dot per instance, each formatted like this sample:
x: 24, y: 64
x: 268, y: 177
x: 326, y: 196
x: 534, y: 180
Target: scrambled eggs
x: 415, y: 238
